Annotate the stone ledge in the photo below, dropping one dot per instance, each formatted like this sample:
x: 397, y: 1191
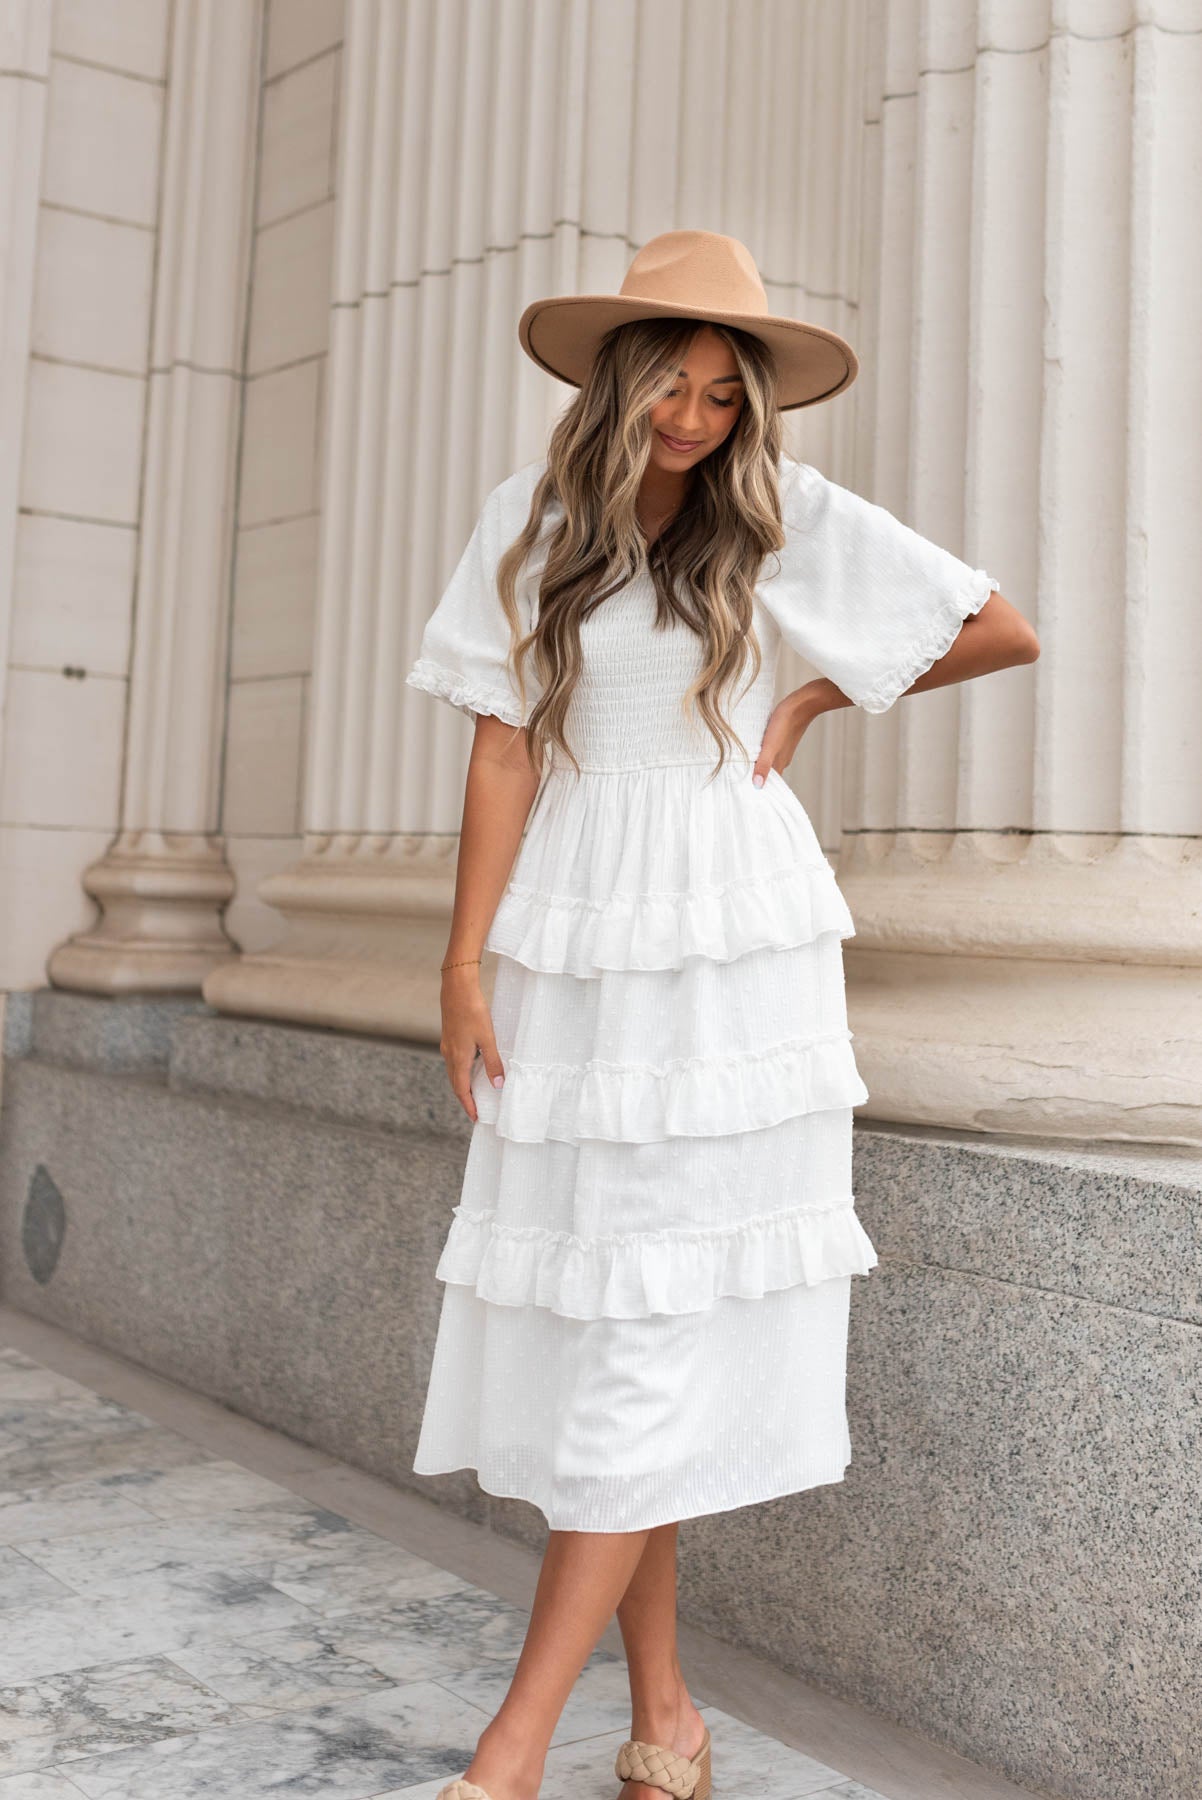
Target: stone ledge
x: 341, y: 1077
x: 112, y: 1034
x: 1120, y: 1229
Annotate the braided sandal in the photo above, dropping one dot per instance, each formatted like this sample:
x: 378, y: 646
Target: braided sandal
x: 463, y: 1789
x: 685, y: 1778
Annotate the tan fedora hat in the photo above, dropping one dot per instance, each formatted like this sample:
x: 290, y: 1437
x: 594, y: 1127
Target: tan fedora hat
x: 689, y: 275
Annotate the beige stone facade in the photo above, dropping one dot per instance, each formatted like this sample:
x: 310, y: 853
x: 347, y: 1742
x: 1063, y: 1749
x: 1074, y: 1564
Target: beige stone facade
x: 262, y: 269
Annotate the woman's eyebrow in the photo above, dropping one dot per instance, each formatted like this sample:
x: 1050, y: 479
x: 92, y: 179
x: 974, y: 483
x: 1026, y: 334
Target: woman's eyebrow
x: 716, y: 378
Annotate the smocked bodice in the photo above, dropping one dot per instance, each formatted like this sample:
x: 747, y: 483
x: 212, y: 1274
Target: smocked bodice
x: 626, y: 711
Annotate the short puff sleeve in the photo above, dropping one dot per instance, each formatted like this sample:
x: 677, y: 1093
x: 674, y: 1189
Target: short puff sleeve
x: 463, y: 654
x: 868, y: 601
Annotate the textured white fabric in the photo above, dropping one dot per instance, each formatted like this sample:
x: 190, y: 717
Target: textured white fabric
x: 871, y: 603
x: 647, y: 1274
x: 620, y: 1424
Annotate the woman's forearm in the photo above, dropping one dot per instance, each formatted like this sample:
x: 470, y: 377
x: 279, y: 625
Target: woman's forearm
x: 498, y: 795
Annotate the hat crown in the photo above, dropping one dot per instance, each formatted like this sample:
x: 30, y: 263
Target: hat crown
x: 702, y: 275
x: 697, y: 269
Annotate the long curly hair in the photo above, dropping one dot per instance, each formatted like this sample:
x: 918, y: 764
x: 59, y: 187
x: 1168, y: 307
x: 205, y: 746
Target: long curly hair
x: 706, y: 561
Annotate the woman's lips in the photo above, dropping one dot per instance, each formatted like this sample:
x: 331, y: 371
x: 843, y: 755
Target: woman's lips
x: 676, y: 443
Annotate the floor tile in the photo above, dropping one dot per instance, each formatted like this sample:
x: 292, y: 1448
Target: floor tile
x: 155, y: 1615
x: 41, y: 1784
x: 174, y: 1626
x: 22, y: 1582
x: 113, y: 1459
x: 108, y: 1707
x: 349, y: 1750
x: 599, y: 1702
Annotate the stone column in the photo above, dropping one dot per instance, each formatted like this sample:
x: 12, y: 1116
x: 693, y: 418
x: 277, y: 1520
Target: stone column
x: 531, y: 154
x: 368, y: 900
x: 164, y: 881
x: 24, y: 69
x: 1021, y: 853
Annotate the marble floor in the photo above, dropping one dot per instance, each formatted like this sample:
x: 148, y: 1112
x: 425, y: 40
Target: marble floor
x: 176, y: 1625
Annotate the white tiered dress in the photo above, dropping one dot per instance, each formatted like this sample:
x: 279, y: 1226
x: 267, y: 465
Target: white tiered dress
x: 648, y: 1273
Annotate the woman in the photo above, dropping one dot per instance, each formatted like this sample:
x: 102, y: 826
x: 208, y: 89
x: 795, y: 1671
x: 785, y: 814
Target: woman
x: 647, y: 1277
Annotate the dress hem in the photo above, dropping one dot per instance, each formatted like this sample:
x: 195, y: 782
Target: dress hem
x: 669, y: 1516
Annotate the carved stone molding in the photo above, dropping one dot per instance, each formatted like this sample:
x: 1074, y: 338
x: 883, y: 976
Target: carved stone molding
x: 161, y: 896
x: 367, y: 921
x: 1039, y: 985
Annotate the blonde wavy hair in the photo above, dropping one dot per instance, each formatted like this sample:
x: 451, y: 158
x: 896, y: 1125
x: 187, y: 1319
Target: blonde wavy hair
x: 706, y: 561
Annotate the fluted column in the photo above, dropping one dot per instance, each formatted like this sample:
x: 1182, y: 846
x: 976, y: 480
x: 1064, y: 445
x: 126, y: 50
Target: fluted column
x: 164, y: 881
x: 488, y: 155
x: 1020, y: 854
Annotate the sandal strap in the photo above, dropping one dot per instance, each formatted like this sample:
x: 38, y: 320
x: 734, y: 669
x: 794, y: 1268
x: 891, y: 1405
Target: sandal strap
x: 657, y: 1766
x: 463, y: 1789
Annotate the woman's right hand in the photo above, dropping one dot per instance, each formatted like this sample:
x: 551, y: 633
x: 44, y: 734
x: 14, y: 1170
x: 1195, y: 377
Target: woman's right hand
x: 466, y: 1027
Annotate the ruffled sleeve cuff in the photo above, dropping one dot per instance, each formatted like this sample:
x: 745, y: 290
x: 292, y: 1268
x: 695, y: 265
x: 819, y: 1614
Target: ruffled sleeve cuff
x: 464, y: 655
x: 472, y: 697
x: 941, y: 633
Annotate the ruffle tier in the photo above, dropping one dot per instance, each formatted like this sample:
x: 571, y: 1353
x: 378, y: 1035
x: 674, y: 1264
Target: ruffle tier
x: 778, y: 910
x: 640, y: 868
x: 631, y: 1275
x: 696, y: 1096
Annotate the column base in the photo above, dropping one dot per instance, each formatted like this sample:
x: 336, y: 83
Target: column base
x: 367, y: 931
x: 1039, y: 986
x: 1039, y: 1049
x: 161, y: 897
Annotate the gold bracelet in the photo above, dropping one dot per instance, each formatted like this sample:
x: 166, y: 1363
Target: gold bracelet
x: 460, y: 965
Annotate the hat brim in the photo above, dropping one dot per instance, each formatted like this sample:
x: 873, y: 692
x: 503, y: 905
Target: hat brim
x: 562, y: 335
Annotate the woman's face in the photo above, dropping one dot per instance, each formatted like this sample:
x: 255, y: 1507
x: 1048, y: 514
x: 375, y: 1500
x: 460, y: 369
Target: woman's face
x: 701, y: 409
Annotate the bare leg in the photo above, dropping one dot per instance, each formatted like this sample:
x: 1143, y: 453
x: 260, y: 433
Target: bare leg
x: 583, y: 1576
x: 661, y: 1709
